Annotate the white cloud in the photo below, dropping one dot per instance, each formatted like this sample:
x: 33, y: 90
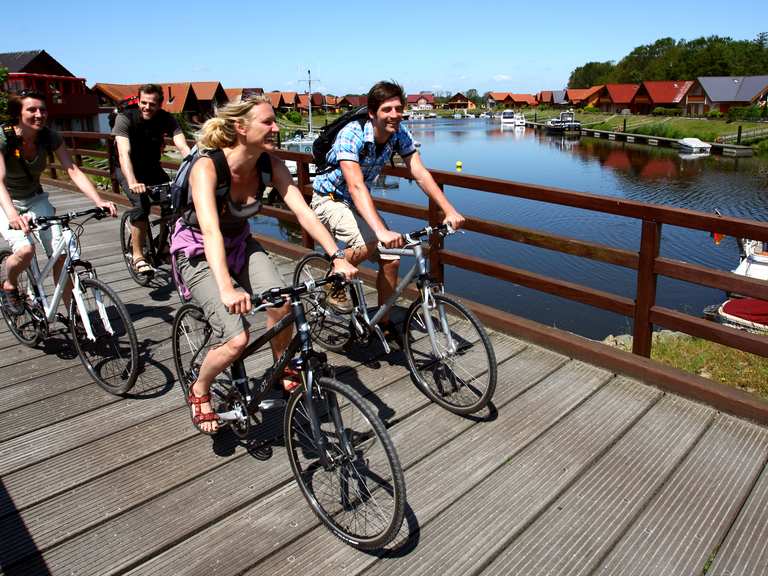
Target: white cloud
x: 502, y: 77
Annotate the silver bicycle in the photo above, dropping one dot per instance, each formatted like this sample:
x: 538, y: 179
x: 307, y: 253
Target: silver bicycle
x: 449, y: 354
x: 101, y: 327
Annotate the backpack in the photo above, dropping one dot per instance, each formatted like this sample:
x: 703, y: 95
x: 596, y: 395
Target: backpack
x: 181, y: 203
x: 323, y: 143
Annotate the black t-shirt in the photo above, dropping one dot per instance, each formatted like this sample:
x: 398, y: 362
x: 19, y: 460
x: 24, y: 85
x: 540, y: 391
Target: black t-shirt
x: 146, y: 138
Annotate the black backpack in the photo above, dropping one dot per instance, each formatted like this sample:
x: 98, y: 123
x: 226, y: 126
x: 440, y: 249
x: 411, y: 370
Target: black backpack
x: 328, y: 134
x: 181, y: 203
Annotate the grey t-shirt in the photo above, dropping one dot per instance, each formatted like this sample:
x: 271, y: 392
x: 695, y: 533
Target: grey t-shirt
x: 19, y: 185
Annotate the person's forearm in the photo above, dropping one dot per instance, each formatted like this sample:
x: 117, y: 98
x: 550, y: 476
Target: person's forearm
x: 433, y: 191
x: 213, y: 243
x: 309, y: 222
x: 127, y: 168
x: 6, y: 203
x: 84, y: 184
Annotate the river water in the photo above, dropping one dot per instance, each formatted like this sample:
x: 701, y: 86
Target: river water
x: 737, y: 187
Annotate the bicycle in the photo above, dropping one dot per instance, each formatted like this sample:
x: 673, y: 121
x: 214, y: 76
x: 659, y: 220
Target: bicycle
x: 440, y: 334
x: 340, y: 452
x: 156, y: 250
x: 101, y: 327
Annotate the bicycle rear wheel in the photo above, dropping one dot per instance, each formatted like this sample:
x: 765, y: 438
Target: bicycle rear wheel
x: 462, y: 379
x: 24, y: 327
x: 112, y: 357
x: 359, y: 493
x: 329, y: 326
x: 126, y: 232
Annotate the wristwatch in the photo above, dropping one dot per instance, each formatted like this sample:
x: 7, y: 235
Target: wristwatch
x: 338, y: 255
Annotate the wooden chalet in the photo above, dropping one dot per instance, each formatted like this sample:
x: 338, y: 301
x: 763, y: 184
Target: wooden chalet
x: 724, y: 92
x: 421, y: 101
x: 71, y: 105
x: 660, y: 93
x: 583, y: 97
x: 240, y: 94
x: 318, y: 102
x: 353, y: 101
x: 511, y: 100
x: 614, y: 98
x: 459, y: 102
x: 210, y: 95
x: 545, y: 98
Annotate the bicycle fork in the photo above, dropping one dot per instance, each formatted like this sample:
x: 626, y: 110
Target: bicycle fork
x: 428, y: 304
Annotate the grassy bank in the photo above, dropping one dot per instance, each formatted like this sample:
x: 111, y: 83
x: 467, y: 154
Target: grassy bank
x: 733, y: 367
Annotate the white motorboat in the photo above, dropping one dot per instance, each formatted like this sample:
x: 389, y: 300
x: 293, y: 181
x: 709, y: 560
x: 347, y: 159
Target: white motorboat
x: 690, y: 146
x: 458, y: 116
x: 565, y: 122
x: 519, y: 119
x: 754, y: 261
x: 508, y: 117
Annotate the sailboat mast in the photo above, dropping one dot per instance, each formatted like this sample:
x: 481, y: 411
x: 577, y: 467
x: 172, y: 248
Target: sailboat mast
x: 309, y: 100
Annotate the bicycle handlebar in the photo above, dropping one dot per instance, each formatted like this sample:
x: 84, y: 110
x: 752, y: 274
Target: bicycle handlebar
x: 275, y: 297
x: 159, y: 193
x: 42, y: 222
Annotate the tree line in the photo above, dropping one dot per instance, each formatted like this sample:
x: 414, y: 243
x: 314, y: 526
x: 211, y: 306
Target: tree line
x: 670, y: 59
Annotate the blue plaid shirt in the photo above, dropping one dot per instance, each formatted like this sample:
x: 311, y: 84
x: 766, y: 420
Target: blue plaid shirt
x: 349, y: 145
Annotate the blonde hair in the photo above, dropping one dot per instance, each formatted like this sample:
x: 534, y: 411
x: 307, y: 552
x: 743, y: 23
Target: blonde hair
x: 219, y: 131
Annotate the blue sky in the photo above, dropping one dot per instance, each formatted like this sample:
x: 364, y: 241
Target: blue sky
x: 439, y: 46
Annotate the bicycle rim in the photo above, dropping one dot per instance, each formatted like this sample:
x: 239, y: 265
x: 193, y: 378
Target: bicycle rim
x: 24, y: 327
x: 112, y: 358
x: 464, y: 379
x: 360, y: 494
x: 329, y: 327
x: 191, y: 341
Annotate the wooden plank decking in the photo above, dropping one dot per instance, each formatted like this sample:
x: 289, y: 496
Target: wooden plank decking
x: 575, y: 471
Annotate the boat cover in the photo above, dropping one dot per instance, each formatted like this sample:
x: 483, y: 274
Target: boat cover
x: 749, y: 309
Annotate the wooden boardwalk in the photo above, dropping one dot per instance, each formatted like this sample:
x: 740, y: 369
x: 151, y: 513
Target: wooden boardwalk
x: 575, y: 471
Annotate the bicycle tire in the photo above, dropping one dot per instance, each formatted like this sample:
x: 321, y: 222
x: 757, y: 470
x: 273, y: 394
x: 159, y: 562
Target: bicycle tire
x: 112, y: 360
x: 448, y: 382
x: 329, y: 327
x: 350, y: 483
x: 127, y: 248
x: 23, y: 327
x: 191, y: 333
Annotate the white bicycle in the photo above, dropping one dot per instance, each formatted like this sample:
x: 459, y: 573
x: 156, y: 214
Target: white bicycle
x: 100, y: 325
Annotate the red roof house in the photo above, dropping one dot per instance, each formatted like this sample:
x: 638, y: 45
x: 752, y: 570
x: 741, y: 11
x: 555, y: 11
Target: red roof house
x: 664, y: 93
x: 583, y: 97
x: 616, y: 97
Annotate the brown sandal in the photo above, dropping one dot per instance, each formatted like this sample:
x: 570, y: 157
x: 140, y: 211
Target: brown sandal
x: 198, y: 416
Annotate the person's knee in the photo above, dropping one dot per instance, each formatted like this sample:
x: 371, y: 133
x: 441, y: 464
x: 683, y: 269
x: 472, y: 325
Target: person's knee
x: 236, y: 345
x: 389, y: 267
x: 25, y: 253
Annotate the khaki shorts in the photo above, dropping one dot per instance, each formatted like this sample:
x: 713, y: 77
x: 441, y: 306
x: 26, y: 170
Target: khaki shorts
x: 346, y: 225
x: 258, y: 275
x: 36, y: 206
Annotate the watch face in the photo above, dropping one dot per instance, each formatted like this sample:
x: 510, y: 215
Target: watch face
x: 338, y: 254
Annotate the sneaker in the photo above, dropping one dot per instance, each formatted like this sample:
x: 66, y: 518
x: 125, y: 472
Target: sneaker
x: 338, y: 298
x: 12, y: 301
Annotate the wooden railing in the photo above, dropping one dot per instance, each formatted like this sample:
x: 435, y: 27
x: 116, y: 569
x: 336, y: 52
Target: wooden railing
x: 646, y: 260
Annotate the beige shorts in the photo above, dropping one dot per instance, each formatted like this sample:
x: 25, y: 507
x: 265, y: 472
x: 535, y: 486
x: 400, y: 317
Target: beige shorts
x: 346, y: 225
x: 33, y: 207
x: 258, y: 275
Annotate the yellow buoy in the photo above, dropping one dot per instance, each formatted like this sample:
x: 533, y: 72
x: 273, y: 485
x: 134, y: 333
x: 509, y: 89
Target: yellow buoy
x: 459, y: 165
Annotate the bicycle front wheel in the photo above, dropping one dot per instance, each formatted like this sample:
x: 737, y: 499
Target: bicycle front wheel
x: 24, y: 327
x: 190, y: 340
x: 458, y: 370
x: 111, y: 353
x: 329, y: 325
x: 126, y: 239
x: 350, y: 474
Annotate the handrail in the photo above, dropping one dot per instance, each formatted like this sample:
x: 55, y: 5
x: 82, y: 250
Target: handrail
x: 646, y: 260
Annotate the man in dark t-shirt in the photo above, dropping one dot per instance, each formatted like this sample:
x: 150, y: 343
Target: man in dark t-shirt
x: 139, y: 136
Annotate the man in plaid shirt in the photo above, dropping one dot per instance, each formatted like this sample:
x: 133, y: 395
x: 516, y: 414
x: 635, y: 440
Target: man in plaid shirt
x: 342, y: 198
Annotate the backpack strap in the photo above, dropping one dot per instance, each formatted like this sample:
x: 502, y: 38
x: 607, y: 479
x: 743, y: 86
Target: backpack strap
x: 13, y: 148
x: 223, y: 176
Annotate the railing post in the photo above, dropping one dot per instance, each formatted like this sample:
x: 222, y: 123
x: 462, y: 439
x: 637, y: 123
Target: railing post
x: 738, y: 138
x: 436, y: 242
x: 302, y: 174
x: 646, y: 288
x: 112, y: 164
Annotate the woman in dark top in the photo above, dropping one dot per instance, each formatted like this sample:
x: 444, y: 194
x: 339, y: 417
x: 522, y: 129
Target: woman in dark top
x: 219, y: 262
x: 24, y: 147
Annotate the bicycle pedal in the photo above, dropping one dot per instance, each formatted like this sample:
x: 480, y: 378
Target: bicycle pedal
x: 272, y: 404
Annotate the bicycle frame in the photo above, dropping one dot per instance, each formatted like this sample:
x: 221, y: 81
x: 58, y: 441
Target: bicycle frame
x: 49, y: 308
x: 420, y: 270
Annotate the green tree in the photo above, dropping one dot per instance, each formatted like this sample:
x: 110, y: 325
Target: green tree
x: 3, y: 96
x: 473, y: 95
x: 591, y: 74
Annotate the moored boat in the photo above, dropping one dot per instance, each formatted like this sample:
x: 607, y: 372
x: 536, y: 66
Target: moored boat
x: 508, y: 117
x: 565, y: 122
x: 690, y: 146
